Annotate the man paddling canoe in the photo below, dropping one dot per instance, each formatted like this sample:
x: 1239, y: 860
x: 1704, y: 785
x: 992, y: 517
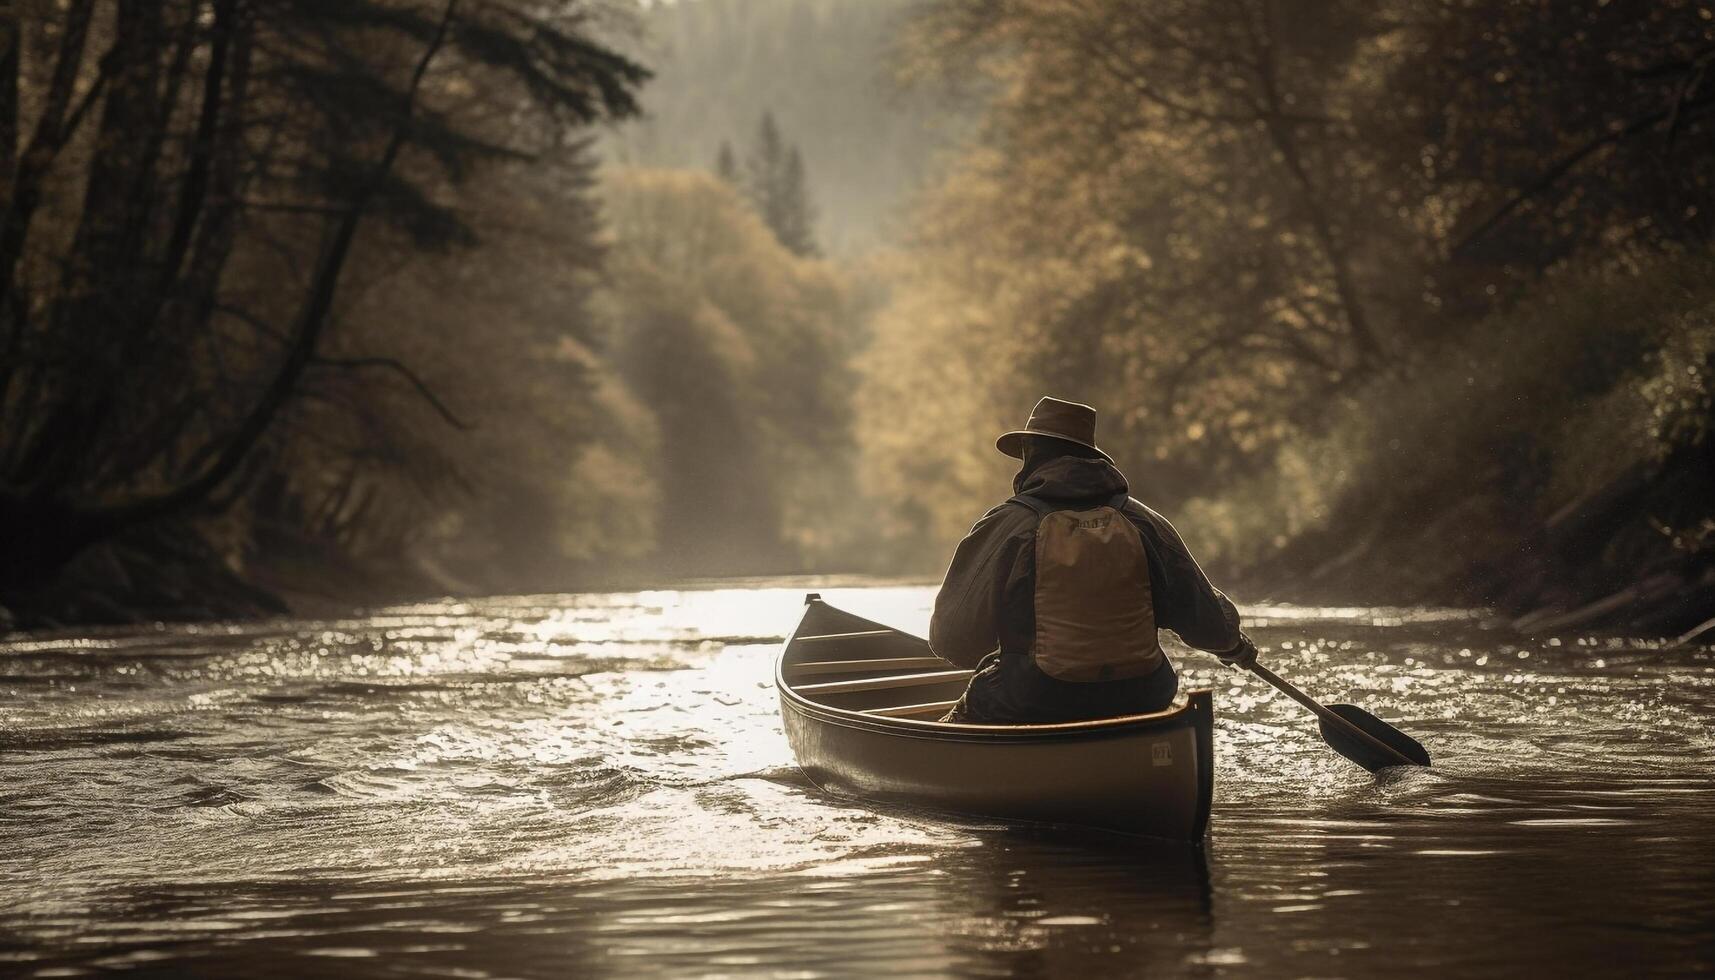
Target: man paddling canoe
x: 1055, y: 596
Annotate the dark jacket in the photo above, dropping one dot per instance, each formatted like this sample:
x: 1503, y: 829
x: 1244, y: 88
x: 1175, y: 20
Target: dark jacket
x: 986, y: 602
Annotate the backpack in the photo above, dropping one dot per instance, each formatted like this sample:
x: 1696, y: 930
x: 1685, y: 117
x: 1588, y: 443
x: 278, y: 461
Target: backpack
x: 1095, y: 614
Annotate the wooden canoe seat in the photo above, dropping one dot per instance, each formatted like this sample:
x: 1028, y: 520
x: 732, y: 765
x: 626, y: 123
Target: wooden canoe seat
x: 884, y: 683
x: 844, y: 637
x: 933, y: 709
x: 817, y: 668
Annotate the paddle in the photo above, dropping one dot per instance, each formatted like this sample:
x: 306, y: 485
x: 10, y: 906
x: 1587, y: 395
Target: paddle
x: 1354, y: 732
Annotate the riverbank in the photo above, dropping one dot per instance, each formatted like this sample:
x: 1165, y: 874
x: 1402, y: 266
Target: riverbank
x: 1554, y: 463
x: 190, y: 572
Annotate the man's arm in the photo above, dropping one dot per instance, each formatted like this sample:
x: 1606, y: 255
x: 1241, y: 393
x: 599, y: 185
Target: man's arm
x: 965, y: 626
x: 1185, y: 601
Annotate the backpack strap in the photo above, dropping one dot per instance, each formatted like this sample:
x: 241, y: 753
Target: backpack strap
x: 1042, y: 507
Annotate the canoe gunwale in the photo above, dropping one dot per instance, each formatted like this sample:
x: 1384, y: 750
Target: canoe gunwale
x: 1130, y: 726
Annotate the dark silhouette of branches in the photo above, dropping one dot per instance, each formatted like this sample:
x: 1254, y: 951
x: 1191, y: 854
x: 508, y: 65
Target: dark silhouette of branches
x: 411, y: 377
x: 1674, y: 118
x: 169, y: 274
x: 312, y: 319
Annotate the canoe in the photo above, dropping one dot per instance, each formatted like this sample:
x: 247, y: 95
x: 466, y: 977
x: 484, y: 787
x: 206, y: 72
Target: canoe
x: 860, y: 703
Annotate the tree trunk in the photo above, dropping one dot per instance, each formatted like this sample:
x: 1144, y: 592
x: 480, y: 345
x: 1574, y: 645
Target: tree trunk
x: 103, y: 272
x: 24, y: 178
x: 1367, y: 346
x: 50, y: 135
x: 10, y: 63
x: 312, y: 319
x: 183, y: 296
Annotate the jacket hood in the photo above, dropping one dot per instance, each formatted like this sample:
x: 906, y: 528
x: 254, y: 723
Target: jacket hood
x: 1071, y: 478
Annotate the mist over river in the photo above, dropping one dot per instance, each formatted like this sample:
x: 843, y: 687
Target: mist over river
x: 597, y: 785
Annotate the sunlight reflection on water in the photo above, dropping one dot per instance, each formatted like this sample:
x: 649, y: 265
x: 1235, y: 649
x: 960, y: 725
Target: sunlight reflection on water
x: 598, y: 784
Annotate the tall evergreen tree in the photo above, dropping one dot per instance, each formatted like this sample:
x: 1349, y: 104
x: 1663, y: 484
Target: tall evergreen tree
x: 726, y: 165
x: 797, y: 215
x: 721, y: 61
x: 776, y: 184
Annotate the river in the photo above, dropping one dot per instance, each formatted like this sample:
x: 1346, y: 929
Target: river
x: 597, y: 785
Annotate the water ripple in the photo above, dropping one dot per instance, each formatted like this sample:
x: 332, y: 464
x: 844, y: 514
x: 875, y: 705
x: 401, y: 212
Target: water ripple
x: 598, y: 785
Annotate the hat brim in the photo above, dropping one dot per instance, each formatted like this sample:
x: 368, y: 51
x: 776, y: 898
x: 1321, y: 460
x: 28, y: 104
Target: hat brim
x: 1012, y: 443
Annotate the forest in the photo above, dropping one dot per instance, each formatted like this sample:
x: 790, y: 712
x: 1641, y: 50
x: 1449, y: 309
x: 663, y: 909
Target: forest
x: 309, y: 305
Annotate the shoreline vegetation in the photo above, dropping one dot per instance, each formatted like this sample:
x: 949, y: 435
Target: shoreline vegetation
x: 1557, y: 467
x: 1611, y: 529
x: 1381, y: 303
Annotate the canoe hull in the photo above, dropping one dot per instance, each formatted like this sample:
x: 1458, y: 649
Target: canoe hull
x: 1147, y: 775
x: 1144, y: 783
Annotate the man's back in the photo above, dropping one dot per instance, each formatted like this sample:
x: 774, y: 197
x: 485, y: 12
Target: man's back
x: 1061, y: 625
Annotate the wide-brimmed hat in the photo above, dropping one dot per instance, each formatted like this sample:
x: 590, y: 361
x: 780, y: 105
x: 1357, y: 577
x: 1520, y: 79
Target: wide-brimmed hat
x: 1056, y: 419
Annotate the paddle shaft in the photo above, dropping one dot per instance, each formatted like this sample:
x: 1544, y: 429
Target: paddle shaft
x: 1327, y: 716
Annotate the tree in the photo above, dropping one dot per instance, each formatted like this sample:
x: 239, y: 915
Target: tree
x: 185, y: 208
x: 726, y: 165
x: 776, y: 185
x: 11, y: 47
x: 1521, y: 136
x: 740, y: 348
x: 1226, y: 221
x: 819, y: 65
x: 796, y: 229
x: 1165, y: 209
x: 540, y: 469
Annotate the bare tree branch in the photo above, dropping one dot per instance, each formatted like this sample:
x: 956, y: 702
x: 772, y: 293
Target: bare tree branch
x: 312, y: 319
x: 1565, y: 165
x: 404, y: 372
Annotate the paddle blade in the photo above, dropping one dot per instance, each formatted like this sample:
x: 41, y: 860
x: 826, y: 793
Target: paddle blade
x: 1363, y: 751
